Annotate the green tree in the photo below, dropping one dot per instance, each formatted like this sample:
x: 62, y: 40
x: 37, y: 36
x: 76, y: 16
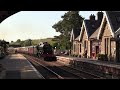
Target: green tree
x: 11, y: 41
x: 18, y: 41
x: 22, y: 43
x: 70, y: 20
x: 28, y: 42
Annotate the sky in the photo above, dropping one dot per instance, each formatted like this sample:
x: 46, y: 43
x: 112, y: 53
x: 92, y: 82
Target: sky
x: 33, y: 24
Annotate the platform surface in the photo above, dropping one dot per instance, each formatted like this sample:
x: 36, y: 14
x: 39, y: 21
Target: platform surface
x: 16, y: 66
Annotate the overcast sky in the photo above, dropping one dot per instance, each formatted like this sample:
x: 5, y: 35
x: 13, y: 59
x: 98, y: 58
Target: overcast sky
x: 33, y: 24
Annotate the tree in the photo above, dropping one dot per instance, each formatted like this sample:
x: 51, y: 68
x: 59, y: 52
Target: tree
x: 71, y: 20
x: 11, y: 41
x: 28, y: 42
x: 18, y: 41
x: 22, y: 43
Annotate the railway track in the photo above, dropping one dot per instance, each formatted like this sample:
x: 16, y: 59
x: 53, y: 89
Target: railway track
x: 50, y: 72
x: 46, y: 72
x: 63, y: 71
x: 86, y: 75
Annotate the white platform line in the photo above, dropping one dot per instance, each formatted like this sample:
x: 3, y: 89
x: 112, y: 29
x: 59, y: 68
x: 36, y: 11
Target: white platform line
x: 39, y: 75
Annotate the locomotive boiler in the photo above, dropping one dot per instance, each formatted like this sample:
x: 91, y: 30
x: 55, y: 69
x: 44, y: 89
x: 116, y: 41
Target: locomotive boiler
x: 45, y: 50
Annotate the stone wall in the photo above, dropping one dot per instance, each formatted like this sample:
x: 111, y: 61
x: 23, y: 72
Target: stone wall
x: 104, y: 70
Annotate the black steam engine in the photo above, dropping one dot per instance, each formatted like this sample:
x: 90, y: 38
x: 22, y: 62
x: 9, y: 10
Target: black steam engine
x: 43, y: 50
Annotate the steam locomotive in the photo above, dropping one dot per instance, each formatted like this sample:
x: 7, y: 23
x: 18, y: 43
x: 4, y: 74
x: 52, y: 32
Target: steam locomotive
x: 43, y: 50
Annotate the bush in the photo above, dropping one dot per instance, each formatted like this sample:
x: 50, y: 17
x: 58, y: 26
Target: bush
x: 84, y: 55
x: 72, y: 55
x: 102, y: 57
x: 79, y: 56
x: 75, y: 55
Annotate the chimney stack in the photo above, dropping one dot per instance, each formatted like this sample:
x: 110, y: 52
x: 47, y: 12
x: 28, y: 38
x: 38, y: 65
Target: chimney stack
x: 100, y: 16
x: 92, y: 17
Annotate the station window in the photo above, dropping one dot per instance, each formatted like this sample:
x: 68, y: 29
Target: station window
x: 106, y: 45
x: 80, y: 48
x: 84, y: 44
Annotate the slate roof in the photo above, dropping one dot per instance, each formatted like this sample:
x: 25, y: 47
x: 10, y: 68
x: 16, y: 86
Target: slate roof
x: 76, y: 32
x: 95, y: 34
x: 114, y: 17
x: 77, y: 39
x: 92, y: 26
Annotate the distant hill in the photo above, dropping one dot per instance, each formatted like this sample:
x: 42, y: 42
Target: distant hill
x: 37, y: 41
x: 34, y: 42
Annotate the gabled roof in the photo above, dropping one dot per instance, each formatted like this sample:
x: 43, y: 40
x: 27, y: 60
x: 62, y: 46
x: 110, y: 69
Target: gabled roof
x: 95, y: 34
x: 83, y: 28
x: 71, y: 36
x: 77, y: 39
x: 90, y: 26
x: 117, y: 33
x: 113, y: 19
x: 74, y: 34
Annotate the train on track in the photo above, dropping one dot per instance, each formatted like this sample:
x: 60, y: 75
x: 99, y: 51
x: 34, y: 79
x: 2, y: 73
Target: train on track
x: 43, y: 50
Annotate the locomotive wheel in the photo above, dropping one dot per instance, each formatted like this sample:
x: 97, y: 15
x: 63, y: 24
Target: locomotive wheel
x: 54, y: 58
x: 46, y: 58
x: 50, y: 59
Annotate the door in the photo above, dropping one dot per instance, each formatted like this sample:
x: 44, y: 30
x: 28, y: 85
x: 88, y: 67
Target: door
x: 97, y: 50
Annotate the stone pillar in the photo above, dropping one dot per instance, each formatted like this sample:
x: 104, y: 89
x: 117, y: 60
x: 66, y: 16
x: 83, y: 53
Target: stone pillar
x: 73, y: 48
x: 78, y: 48
x: 109, y: 50
x: 117, y: 51
x: 89, y: 48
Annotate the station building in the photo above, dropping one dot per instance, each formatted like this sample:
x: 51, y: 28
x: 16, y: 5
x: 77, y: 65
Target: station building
x: 98, y: 36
